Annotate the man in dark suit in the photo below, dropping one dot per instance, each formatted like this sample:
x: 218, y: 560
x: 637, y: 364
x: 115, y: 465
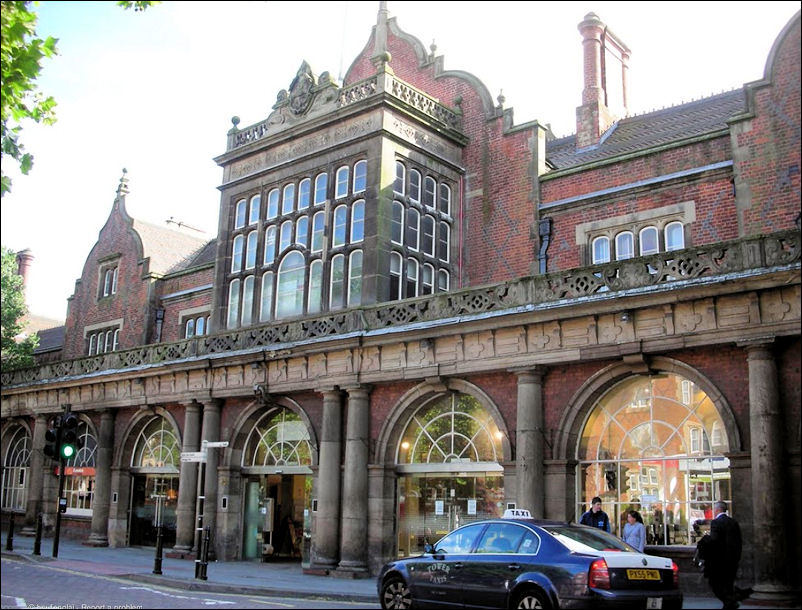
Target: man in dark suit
x: 721, y: 551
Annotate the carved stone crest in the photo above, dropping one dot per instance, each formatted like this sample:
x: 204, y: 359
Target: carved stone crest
x: 301, y: 89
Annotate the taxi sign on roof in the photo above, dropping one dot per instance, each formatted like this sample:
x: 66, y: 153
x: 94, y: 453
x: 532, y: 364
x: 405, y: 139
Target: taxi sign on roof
x: 517, y: 513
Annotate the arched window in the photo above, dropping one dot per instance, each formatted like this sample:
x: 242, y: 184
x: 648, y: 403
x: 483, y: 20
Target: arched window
x: 278, y: 439
x: 239, y: 213
x: 115, y: 338
x: 400, y: 178
x: 304, y: 193
x: 355, y: 278
x: 270, y: 245
x: 443, y: 280
x: 290, y: 291
x: 288, y: 200
x: 272, y: 204
x: 92, y: 344
x: 341, y: 182
x: 16, y: 467
x: 455, y: 428
x: 414, y: 185
x: 601, y: 250
x: 428, y: 235
x: 236, y: 253
x: 445, y: 199
x: 286, y: 236
x: 109, y: 340
x: 79, y: 487
x: 266, y: 304
x: 256, y: 202
x: 674, y: 236
x: 648, y: 241
x: 360, y: 176
x: 624, y: 245
x: 315, y: 302
x: 200, y: 326
x: 157, y: 447
x: 338, y: 230
x: 645, y: 445
x: 357, y: 221
x: 337, y: 290
x: 247, y: 301
x: 413, y: 224
x: 397, y: 223
x: 411, y: 289
x: 233, y: 304
x: 250, y: 252
x: 427, y: 279
x: 302, y: 231
x: 444, y: 243
x: 321, y: 185
x: 318, y: 228
x: 395, y: 276
x: 429, y: 188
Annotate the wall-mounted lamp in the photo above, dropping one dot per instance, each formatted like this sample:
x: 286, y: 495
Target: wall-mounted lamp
x: 625, y: 316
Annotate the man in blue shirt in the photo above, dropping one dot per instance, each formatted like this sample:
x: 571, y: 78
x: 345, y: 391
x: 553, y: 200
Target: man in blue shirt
x: 596, y: 517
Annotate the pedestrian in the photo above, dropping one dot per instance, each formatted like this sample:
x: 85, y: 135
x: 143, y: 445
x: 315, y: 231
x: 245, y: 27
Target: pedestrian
x: 596, y: 517
x: 721, y: 552
x: 635, y: 530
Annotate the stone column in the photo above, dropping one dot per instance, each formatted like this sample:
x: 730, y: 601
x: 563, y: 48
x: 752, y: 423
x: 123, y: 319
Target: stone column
x: 529, y: 432
x: 188, y: 483
x: 211, y: 433
x: 325, y: 553
x: 765, y: 430
x: 354, y: 541
x: 40, y: 464
x: 99, y: 534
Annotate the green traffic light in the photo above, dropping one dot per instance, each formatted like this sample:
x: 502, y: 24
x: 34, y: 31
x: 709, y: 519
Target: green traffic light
x: 67, y: 451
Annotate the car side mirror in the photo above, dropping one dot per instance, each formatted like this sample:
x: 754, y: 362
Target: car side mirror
x: 428, y: 548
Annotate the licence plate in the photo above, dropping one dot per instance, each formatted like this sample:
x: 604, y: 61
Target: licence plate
x: 643, y: 575
x: 654, y: 603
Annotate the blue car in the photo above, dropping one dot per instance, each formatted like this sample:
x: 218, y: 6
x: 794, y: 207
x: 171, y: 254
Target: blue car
x: 519, y: 562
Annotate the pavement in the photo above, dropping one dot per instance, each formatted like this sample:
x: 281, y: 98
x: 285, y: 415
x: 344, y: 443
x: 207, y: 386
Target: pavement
x: 271, y: 578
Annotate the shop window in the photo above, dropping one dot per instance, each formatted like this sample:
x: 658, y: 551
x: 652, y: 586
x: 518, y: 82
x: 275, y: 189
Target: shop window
x: 16, y: 467
x: 279, y: 438
x: 645, y: 447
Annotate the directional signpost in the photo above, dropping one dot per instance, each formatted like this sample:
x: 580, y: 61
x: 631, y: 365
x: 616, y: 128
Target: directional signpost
x: 193, y: 456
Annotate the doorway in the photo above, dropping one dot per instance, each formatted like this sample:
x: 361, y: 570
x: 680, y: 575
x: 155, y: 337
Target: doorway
x: 275, y: 508
x: 154, y: 498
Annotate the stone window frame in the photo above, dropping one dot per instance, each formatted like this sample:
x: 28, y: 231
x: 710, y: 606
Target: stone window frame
x: 660, y: 219
x: 108, y: 276
x: 194, y: 314
x: 108, y: 332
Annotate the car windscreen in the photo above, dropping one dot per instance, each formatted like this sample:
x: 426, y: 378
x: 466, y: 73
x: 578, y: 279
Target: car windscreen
x: 582, y: 539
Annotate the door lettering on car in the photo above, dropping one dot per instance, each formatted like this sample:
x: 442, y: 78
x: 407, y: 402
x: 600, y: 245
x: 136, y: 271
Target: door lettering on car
x: 438, y: 572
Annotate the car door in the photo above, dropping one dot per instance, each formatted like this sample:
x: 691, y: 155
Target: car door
x: 434, y: 578
x: 485, y: 575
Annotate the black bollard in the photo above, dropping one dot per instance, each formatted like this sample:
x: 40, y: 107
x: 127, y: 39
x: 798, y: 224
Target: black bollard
x: 157, y: 562
x: 37, y: 542
x: 10, y: 537
x: 204, y: 553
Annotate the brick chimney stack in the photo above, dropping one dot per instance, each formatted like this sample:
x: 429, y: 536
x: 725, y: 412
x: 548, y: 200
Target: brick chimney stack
x: 24, y: 260
x: 604, y: 97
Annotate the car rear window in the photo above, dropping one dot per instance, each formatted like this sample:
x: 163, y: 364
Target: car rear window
x: 590, y: 537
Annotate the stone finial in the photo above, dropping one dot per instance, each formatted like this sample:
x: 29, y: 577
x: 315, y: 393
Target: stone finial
x: 122, y: 188
x: 433, y: 50
x: 501, y: 99
x: 234, y: 125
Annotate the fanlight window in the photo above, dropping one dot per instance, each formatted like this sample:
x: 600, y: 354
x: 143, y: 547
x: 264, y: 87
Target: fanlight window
x: 280, y: 438
x: 157, y: 446
x: 452, y: 429
x: 16, y: 465
x: 648, y: 444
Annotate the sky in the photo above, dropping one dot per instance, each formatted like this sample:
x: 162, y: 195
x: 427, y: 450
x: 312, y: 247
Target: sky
x: 154, y: 92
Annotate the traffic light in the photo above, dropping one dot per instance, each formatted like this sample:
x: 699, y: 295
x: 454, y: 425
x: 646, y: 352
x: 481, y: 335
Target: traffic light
x: 70, y: 443
x: 53, y: 439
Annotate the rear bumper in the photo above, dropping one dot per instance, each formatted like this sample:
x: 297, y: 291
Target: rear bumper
x: 670, y: 600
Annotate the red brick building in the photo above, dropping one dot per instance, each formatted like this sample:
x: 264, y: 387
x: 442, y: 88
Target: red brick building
x: 417, y: 313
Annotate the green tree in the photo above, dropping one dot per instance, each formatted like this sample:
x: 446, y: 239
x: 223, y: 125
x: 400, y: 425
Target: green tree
x: 16, y: 350
x: 21, y: 60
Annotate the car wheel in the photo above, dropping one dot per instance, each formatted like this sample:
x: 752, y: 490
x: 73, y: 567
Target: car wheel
x: 395, y: 594
x: 531, y: 598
